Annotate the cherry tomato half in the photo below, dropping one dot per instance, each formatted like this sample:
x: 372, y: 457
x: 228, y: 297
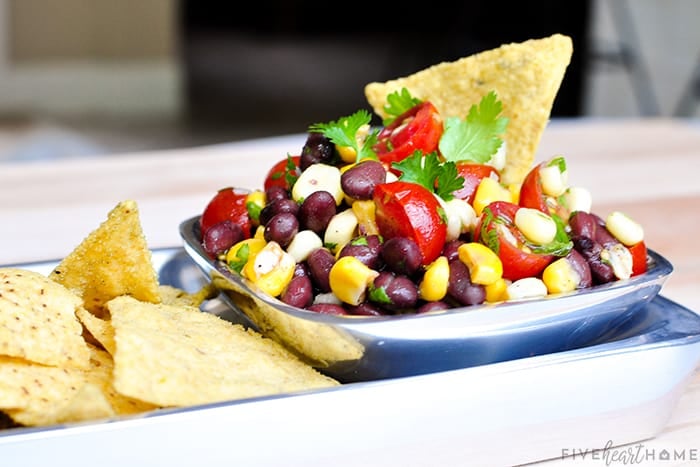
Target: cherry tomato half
x: 496, y: 229
x: 473, y: 173
x: 283, y: 173
x: 531, y: 194
x: 419, y: 128
x: 227, y: 204
x: 405, y: 209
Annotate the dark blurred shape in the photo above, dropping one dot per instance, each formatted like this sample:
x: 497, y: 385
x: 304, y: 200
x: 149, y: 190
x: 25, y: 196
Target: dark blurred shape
x: 277, y: 67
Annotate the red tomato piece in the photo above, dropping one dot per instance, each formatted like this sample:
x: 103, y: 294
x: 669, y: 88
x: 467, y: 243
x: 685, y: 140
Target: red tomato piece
x: 405, y: 209
x: 473, y: 173
x: 496, y: 229
x: 639, y: 258
x: 227, y: 204
x: 531, y: 195
x: 280, y: 173
x: 420, y: 128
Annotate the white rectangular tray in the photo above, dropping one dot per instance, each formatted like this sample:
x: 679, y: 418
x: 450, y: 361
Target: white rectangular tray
x: 619, y: 391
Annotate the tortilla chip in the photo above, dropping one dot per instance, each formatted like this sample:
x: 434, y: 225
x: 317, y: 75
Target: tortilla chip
x: 526, y: 77
x: 170, y: 295
x: 100, y: 329
x: 112, y: 260
x: 178, y: 356
x: 38, y: 322
x: 38, y: 395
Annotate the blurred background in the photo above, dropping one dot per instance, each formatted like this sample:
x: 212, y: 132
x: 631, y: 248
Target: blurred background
x: 87, y: 77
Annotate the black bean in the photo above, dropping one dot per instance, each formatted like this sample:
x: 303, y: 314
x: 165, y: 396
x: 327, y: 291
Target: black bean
x: 299, y: 292
x: 359, y: 181
x: 281, y: 228
x: 320, y: 262
x: 278, y: 206
x: 433, y: 306
x: 220, y: 237
x: 402, y: 255
x: 601, y: 272
x: 366, y: 249
x: 393, y: 291
x: 327, y: 308
x: 317, y: 149
x: 316, y: 211
x: 276, y: 192
x: 461, y: 288
x: 580, y: 265
x: 450, y: 250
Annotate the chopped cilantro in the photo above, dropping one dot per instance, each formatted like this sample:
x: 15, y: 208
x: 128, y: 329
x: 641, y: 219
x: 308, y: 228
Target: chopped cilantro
x: 441, y: 178
x: 475, y: 138
x: 398, y: 103
x: 343, y: 132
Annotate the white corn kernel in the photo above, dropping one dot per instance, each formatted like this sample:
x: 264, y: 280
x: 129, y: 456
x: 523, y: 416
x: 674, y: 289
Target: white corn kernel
x: 554, y: 181
x: 461, y: 217
x: 620, y: 259
x: 537, y: 226
x: 303, y: 243
x: 341, y: 229
x: 528, y: 287
x: 578, y: 199
x: 318, y: 177
x: 623, y: 228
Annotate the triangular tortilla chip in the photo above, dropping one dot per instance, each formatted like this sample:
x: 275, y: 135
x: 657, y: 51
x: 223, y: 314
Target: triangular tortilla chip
x: 111, y: 261
x: 38, y: 321
x: 178, y: 356
x: 526, y: 77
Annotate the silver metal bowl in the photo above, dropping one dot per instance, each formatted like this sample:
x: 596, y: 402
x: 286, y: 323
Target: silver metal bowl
x: 363, y: 348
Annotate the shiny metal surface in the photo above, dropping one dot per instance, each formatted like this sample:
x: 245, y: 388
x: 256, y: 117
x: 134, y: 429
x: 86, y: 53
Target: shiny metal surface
x: 369, y: 348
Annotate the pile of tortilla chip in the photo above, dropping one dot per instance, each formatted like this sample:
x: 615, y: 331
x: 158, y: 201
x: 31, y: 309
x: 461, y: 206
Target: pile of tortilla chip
x: 526, y: 77
x: 100, y: 337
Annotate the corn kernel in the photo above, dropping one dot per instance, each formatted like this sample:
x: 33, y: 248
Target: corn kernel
x: 560, y: 276
x: 318, y: 177
x: 254, y: 203
x: 303, y: 243
x: 238, y: 255
x: 578, y: 199
x: 554, y: 179
x: 341, y: 229
x: 433, y: 287
x: 496, y: 291
x: 366, y: 221
x: 349, y: 278
x: 484, y: 265
x: 623, y: 228
x: 272, y: 269
x: 488, y: 191
x: 528, y: 287
x: 537, y: 226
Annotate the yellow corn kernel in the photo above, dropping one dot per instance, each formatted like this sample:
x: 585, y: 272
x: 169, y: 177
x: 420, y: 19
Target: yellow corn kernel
x: 348, y: 153
x: 259, y: 232
x: 366, y: 221
x: 239, y: 254
x: 433, y: 287
x: 560, y: 276
x: 514, y: 189
x: 488, y: 191
x: 271, y: 269
x: 496, y: 291
x: 484, y: 265
x: 349, y: 278
x: 254, y: 203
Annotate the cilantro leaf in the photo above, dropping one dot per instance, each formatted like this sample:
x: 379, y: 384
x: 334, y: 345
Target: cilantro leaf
x: 398, y: 103
x: 343, y: 132
x: 475, y: 138
x: 441, y: 178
